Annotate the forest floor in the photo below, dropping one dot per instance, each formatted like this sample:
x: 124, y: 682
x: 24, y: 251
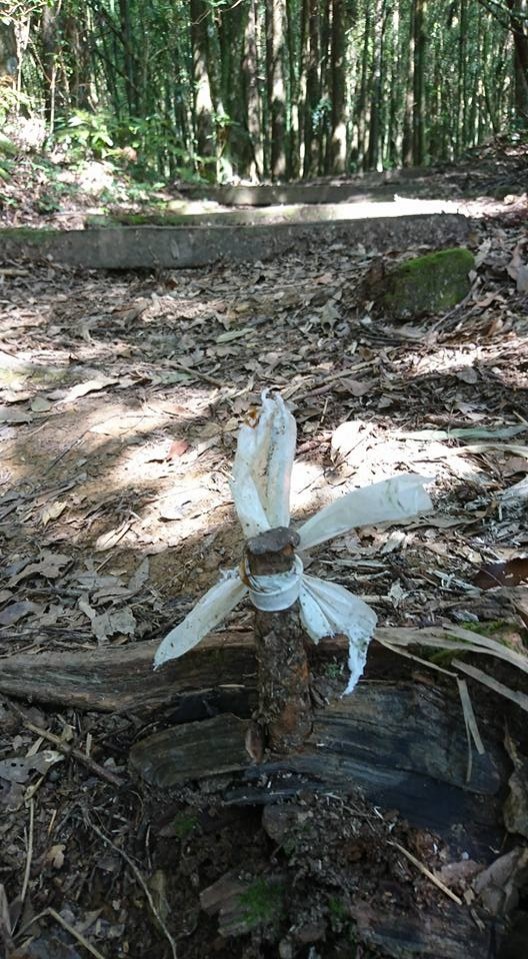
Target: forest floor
x: 120, y: 403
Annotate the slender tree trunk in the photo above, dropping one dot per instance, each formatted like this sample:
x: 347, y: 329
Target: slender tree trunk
x: 252, y: 94
x: 338, y: 147
x: 518, y: 21
x: 373, y: 155
x: 407, y: 143
x: 312, y: 89
x: 294, y: 48
x: 420, y: 43
x: 128, y: 46
x: 324, y: 94
x: 361, y: 105
x: 49, y: 24
x: 275, y: 32
x: 203, y: 101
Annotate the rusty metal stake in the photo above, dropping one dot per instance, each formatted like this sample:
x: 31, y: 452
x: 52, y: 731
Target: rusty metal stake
x: 284, y: 710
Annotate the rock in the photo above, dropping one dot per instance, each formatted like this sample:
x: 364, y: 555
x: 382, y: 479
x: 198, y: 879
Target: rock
x: 427, y: 284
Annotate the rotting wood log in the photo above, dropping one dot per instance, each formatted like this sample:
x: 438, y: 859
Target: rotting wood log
x: 220, y: 671
x: 123, y: 679
x: 404, y: 745
x: 150, y: 247
x: 284, y: 709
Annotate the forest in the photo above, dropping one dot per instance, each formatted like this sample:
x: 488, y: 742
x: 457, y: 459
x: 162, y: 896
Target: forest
x: 260, y: 89
x: 263, y: 479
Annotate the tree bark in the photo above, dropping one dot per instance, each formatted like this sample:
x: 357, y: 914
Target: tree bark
x: 420, y: 44
x: 284, y: 709
x: 203, y: 102
x: 520, y: 56
x: 312, y: 90
x: 252, y: 93
x: 338, y: 146
x: 275, y: 32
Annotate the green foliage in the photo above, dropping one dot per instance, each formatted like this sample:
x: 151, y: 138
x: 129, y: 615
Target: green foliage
x: 85, y: 134
x: 263, y: 902
x: 183, y: 825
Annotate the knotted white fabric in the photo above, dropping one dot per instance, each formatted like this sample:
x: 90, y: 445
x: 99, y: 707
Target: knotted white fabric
x: 261, y: 493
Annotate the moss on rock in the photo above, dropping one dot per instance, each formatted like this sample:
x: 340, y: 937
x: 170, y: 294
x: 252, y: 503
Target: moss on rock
x: 428, y: 284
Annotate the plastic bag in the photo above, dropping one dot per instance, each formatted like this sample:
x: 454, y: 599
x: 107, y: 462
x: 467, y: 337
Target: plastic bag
x: 261, y: 493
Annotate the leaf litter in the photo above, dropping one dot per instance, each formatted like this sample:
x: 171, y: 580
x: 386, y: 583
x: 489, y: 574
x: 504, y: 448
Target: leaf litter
x: 119, y: 423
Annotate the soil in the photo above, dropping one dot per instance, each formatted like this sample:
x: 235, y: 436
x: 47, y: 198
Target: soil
x: 121, y: 398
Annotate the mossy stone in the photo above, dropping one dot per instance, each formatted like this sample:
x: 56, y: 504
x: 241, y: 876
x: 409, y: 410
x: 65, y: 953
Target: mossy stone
x: 428, y: 284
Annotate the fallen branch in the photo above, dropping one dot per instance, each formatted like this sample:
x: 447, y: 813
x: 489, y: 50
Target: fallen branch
x: 67, y: 750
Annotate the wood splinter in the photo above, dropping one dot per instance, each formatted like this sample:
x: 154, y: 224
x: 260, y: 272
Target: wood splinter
x: 284, y: 709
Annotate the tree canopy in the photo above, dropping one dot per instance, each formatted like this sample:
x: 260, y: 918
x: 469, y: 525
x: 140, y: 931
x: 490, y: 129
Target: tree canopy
x: 267, y: 88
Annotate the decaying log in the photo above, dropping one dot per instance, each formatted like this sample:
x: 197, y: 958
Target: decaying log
x: 123, y: 679
x: 284, y: 709
x: 151, y: 247
x: 403, y: 744
x: 222, y: 669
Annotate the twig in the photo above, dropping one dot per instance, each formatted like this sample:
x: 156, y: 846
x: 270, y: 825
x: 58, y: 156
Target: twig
x: 29, y: 854
x: 426, y: 872
x: 196, y: 373
x: 139, y: 878
x: 68, y: 750
x: 65, y: 925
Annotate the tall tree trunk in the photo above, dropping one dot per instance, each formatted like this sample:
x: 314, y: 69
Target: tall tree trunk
x: 203, y: 101
x: 373, y: 155
x: 294, y: 53
x: 312, y: 89
x: 407, y: 144
x: 420, y: 43
x: 275, y: 32
x: 361, y: 103
x: 49, y: 24
x: 338, y: 146
x: 128, y: 47
x: 324, y: 94
x: 518, y: 21
x: 252, y: 94
x: 462, y: 76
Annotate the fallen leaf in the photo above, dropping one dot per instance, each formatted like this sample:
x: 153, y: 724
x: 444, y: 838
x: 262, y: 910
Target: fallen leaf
x: 234, y: 334
x: 518, y: 271
x: 55, y: 855
x: 16, y: 611
x: 112, y: 537
x: 53, y: 511
x: 468, y: 375
x: 499, y: 885
x: 108, y: 624
x: 11, y: 396
x: 88, y: 386
x: 50, y: 566
x: 40, y: 405
x: 177, y: 449
x: 140, y: 577
x: 510, y: 573
x: 19, y: 770
x: 15, y: 417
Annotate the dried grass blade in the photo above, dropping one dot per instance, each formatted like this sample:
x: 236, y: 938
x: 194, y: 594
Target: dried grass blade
x: 521, y: 699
